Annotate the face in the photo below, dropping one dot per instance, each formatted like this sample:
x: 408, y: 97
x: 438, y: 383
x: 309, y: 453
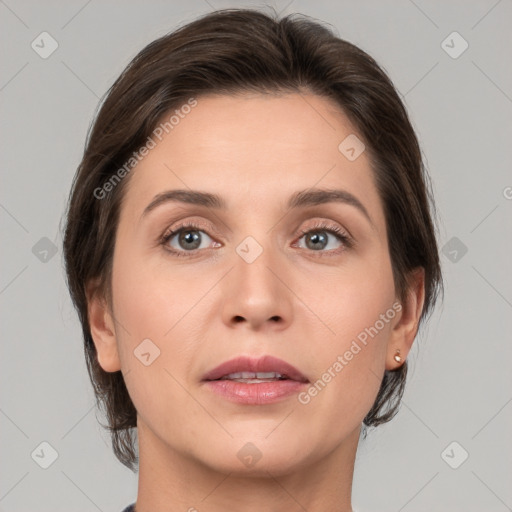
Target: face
x: 310, y: 284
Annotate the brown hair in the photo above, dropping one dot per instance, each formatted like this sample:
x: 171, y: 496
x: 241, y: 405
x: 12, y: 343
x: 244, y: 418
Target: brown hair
x: 226, y: 52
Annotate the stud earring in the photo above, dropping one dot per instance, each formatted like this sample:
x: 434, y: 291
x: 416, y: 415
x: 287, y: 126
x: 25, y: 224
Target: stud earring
x: 398, y: 359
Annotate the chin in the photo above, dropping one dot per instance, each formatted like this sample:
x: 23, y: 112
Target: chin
x: 257, y: 458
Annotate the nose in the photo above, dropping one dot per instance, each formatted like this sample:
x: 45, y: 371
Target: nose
x: 256, y: 294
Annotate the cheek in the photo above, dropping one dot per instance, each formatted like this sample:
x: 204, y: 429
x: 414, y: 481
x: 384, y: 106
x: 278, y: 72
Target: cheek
x: 151, y: 315
x: 154, y: 312
x: 148, y: 302
x: 351, y: 359
x: 357, y: 352
x: 349, y: 372
x: 351, y: 298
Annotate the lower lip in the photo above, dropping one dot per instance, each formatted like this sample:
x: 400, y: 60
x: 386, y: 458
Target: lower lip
x: 259, y: 393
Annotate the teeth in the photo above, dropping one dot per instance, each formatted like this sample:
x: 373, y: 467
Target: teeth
x: 252, y: 375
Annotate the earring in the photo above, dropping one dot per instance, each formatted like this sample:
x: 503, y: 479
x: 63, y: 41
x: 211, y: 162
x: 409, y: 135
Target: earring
x: 398, y: 359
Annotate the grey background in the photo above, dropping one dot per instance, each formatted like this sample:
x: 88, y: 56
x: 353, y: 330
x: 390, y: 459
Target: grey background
x: 459, y: 387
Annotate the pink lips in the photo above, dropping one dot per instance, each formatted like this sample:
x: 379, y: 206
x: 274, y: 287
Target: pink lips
x: 263, y: 364
x: 256, y: 393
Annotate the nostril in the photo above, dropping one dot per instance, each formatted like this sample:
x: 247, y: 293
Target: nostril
x: 238, y: 319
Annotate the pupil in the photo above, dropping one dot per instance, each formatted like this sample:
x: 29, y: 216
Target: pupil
x: 314, y: 238
x: 189, y: 238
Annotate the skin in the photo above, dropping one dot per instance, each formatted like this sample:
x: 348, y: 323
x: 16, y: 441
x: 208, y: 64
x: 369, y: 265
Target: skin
x: 204, y: 309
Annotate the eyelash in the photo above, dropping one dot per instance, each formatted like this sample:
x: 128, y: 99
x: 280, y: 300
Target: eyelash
x: 334, y: 230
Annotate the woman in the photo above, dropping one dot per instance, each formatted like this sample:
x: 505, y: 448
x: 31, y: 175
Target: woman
x: 250, y: 248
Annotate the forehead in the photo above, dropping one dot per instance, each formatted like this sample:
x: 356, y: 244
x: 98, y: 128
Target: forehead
x: 253, y: 149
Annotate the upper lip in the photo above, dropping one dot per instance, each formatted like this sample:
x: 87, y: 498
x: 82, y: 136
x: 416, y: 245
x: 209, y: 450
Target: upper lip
x: 261, y: 364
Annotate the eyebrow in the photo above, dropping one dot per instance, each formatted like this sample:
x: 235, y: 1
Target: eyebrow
x: 300, y: 199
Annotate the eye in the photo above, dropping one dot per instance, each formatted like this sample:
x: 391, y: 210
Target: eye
x: 322, y: 237
x: 189, y: 238
x: 186, y: 238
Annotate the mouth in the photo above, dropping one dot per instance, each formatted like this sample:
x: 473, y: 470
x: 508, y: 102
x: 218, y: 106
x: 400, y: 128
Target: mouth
x: 254, y: 377
x: 249, y: 381
x: 253, y: 371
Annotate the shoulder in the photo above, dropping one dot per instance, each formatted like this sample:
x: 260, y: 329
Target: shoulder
x: 129, y: 508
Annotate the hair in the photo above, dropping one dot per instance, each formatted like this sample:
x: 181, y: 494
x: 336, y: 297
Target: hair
x: 228, y: 52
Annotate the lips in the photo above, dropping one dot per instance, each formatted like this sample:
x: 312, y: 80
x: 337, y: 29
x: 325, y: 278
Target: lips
x: 264, y: 368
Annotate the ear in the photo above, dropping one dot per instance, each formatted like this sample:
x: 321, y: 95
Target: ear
x: 406, y: 325
x: 102, y: 328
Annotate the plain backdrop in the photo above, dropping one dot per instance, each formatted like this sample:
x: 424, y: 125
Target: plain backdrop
x: 448, y: 448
